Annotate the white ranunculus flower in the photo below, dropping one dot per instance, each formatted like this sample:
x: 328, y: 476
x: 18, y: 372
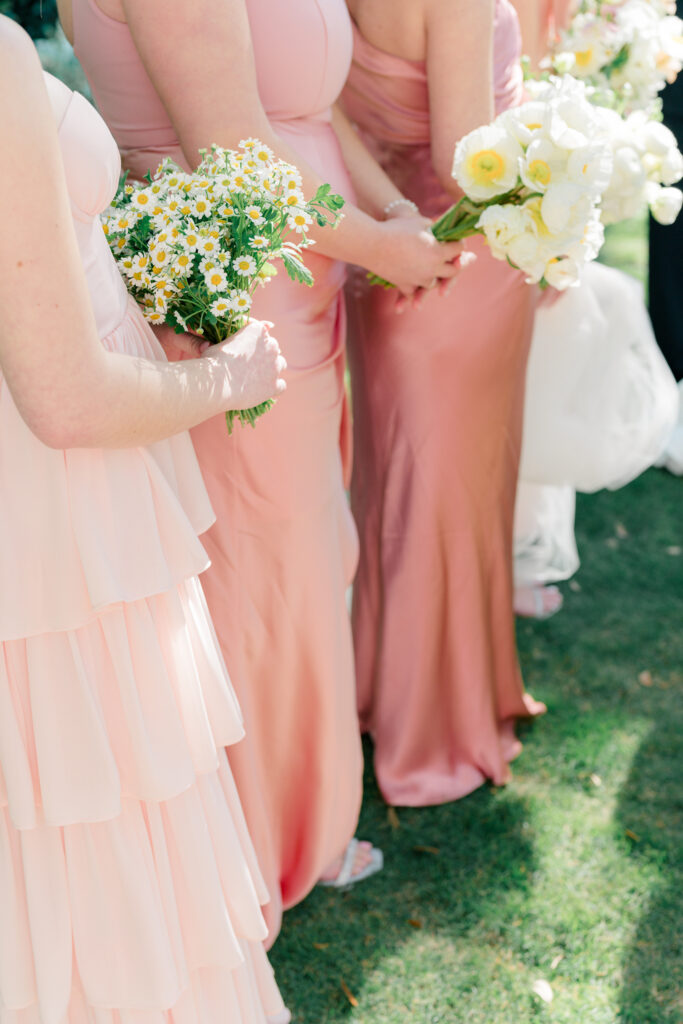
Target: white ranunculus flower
x: 671, y: 168
x: 486, y: 162
x: 525, y: 122
x: 591, y: 167
x: 665, y: 203
x: 565, y: 208
x: 527, y: 252
x: 656, y: 137
x: 500, y: 225
x: 543, y: 164
x: 562, y: 273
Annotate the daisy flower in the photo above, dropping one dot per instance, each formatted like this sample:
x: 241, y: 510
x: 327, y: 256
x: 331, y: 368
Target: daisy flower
x: 215, y: 279
x: 255, y: 215
x: 220, y: 307
x: 244, y: 265
x: 209, y: 246
x: 240, y: 302
x: 299, y: 221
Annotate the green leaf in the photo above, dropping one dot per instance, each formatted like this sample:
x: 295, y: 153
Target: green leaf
x: 295, y: 268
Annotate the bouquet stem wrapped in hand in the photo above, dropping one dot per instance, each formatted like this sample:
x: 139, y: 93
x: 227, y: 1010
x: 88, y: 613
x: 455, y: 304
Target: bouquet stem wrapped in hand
x: 532, y: 183
x: 193, y: 248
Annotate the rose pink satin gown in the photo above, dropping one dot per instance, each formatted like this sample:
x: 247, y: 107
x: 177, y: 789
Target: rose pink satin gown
x: 438, y: 397
x: 128, y: 885
x: 284, y: 546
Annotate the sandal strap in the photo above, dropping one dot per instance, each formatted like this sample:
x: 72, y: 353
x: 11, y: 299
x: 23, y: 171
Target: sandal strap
x: 346, y: 870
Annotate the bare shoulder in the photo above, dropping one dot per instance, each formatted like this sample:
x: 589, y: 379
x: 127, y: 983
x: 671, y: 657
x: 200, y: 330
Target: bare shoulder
x: 446, y: 11
x: 396, y: 26
x: 19, y: 61
x: 26, y: 111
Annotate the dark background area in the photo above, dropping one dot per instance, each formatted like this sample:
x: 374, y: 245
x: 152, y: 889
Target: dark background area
x: 37, y: 16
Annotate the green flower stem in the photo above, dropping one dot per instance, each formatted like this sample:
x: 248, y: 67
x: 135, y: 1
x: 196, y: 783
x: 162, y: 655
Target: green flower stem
x: 461, y: 221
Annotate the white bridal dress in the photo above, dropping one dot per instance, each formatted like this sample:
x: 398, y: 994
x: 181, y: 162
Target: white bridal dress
x: 601, y: 404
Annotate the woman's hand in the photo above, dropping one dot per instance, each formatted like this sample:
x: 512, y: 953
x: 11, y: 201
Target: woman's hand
x: 186, y: 344
x: 410, y: 257
x: 253, y: 363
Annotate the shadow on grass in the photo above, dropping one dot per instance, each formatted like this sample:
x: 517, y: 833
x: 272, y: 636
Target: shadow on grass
x: 446, y: 868
x: 650, y: 815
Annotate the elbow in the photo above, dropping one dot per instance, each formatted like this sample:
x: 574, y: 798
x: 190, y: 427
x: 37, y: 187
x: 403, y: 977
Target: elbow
x: 60, y: 430
x: 59, y: 436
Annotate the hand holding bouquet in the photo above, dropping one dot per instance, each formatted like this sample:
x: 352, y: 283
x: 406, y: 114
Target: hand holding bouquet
x: 194, y: 247
x: 533, y: 180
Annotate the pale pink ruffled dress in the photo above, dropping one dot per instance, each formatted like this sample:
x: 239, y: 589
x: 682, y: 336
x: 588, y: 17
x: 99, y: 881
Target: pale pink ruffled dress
x: 284, y: 546
x: 438, y: 398
x: 129, y: 889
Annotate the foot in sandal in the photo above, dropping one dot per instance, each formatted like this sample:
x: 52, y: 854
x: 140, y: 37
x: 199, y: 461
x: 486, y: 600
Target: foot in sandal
x: 359, y: 861
x: 537, y: 602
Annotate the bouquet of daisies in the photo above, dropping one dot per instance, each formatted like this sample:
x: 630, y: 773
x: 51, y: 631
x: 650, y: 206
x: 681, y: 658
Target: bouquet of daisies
x: 532, y: 183
x: 624, y: 50
x: 192, y: 248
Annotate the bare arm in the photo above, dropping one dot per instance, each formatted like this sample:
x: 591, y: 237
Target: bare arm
x: 534, y: 20
x: 223, y: 106
x: 69, y: 390
x: 460, y: 75
x: 373, y: 187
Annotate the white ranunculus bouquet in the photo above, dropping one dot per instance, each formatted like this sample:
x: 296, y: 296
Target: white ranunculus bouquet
x: 533, y: 181
x: 646, y: 163
x: 624, y: 50
x: 192, y: 248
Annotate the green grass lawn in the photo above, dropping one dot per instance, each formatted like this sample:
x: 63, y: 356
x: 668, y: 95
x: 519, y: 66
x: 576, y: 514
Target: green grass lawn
x: 573, y: 874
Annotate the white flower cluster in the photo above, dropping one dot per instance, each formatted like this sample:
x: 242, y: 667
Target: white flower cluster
x: 192, y: 247
x: 625, y: 50
x: 534, y: 180
x: 646, y: 163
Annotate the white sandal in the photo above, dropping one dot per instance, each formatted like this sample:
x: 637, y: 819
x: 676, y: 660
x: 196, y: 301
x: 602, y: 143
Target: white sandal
x: 345, y: 879
x: 541, y: 612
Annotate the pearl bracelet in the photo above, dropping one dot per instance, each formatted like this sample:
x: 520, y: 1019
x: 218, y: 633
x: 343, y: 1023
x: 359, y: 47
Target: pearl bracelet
x: 400, y: 202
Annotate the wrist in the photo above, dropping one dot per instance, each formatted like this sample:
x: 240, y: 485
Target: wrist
x: 401, y: 207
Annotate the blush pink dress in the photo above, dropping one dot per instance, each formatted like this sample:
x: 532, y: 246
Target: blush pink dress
x: 438, y: 398
x: 284, y: 547
x: 128, y: 885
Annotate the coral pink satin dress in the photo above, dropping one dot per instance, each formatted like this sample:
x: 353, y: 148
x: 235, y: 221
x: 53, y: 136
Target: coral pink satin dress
x: 438, y: 396
x: 284, y: 547
x: 128, y: 885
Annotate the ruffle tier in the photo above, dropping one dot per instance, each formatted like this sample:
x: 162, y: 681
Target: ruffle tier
x: 134, y: 705
x: 129, y: 887
x: 93, y: 527
x: 153, y: 913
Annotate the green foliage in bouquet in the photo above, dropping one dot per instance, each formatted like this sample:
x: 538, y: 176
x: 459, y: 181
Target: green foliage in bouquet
x: 193, y: 248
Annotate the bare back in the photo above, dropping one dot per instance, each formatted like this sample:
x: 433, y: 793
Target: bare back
x: 396, y: 26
